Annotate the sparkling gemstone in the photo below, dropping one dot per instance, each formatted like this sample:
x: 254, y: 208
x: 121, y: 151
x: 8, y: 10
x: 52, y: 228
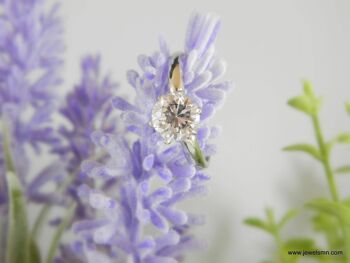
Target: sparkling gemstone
x: 176, y: 117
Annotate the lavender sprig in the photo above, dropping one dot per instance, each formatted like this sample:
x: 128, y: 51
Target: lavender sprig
x: 152, y: 178
x: 30, y: 62
x: 87, y: 107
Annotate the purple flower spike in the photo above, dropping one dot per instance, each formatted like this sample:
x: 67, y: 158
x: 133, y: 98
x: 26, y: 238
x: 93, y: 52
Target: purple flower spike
x: 88, y: 106
x: 151, y: 178
x: 30, y: 62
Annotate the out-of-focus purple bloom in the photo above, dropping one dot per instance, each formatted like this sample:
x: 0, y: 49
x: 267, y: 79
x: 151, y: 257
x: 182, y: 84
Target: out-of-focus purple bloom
x: 151, y: 177
x: 87, y: 107
x: 30, y: 62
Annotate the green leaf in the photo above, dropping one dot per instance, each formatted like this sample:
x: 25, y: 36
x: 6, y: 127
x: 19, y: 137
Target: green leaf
x: 343, y: 170
x: 330, y: 227
x: 308, y: 89
x: 17, y: 243
x: 270, y: 216
x: 34, y: 253
x: 347, y: 106
x: 17, y: 236
x: 346, y: 202
x: 306, y: 102
x: 287, y: 216
x: 342, y: 138
x: 258, y: 223
x: 336, y: 209
x: 302, y: 244
x: 302, y: 103
x: 306, y: 148
x: 299, y: 244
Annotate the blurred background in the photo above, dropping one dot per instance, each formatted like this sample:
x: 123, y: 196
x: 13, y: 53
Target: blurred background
x: 269, y: 47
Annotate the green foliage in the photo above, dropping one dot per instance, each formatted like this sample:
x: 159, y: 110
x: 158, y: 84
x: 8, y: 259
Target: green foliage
x: 20, y: 247
x: 306, y: 148
x: 331, y: 217
x: 329, y: 226
x: 307, y: 102
x: 270, y: 225
x: 274, y: 228
x: 17, y: 235
x: 258, y: 223
x: 347, y: 107
x: 332, y: 208
x: 34, y: 252
x: 287, y: 217
x: 342, y: 138
x: 299, y: 244
x: 343, y: 170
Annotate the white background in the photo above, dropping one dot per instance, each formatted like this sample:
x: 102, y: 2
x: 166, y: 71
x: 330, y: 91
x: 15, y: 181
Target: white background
x: 269, y: 47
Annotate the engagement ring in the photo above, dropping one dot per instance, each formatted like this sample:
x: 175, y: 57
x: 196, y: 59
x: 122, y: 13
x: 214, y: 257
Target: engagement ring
x: 176, y: 118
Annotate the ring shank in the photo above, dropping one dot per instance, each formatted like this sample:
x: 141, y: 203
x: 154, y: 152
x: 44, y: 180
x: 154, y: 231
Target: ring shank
x: 196, y: 153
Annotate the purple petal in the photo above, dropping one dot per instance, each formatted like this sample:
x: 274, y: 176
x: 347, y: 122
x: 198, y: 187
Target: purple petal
x: 86, y: 225
x: 122, y: 104
x: 200, y: 82
x: 169, y: 239
x: 218, y: 70
x: 180, y: 184
x: 165, y: 173
x: 147, y: 243
x: 164, y: 48
x: 215, y: 96
x: 176, y: 217
x: 203, y: 133
x: 208, y: 111
x: 133, y: 78
x: 148, y: 162
x: 158, y: 221
x: 159, y: 259
x: 183, y: 170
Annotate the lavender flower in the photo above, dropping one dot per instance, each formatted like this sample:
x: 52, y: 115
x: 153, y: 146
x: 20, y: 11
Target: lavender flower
x: 30, y: 62
x: 87, y: 107
x: 152, y: 178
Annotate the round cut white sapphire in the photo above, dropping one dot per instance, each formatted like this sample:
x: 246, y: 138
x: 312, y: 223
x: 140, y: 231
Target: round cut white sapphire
x: 175, y: 117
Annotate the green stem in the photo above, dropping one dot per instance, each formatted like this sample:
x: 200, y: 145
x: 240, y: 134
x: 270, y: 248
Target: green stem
x: 275, y: 231
x: 346, y: 231
x: 324, y: 151
x: 17, y: 243
x: 325, y: 158
x: 9, y: 164
x: 278, y: 240
x: 58, y: 234
x: 39, y: 221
